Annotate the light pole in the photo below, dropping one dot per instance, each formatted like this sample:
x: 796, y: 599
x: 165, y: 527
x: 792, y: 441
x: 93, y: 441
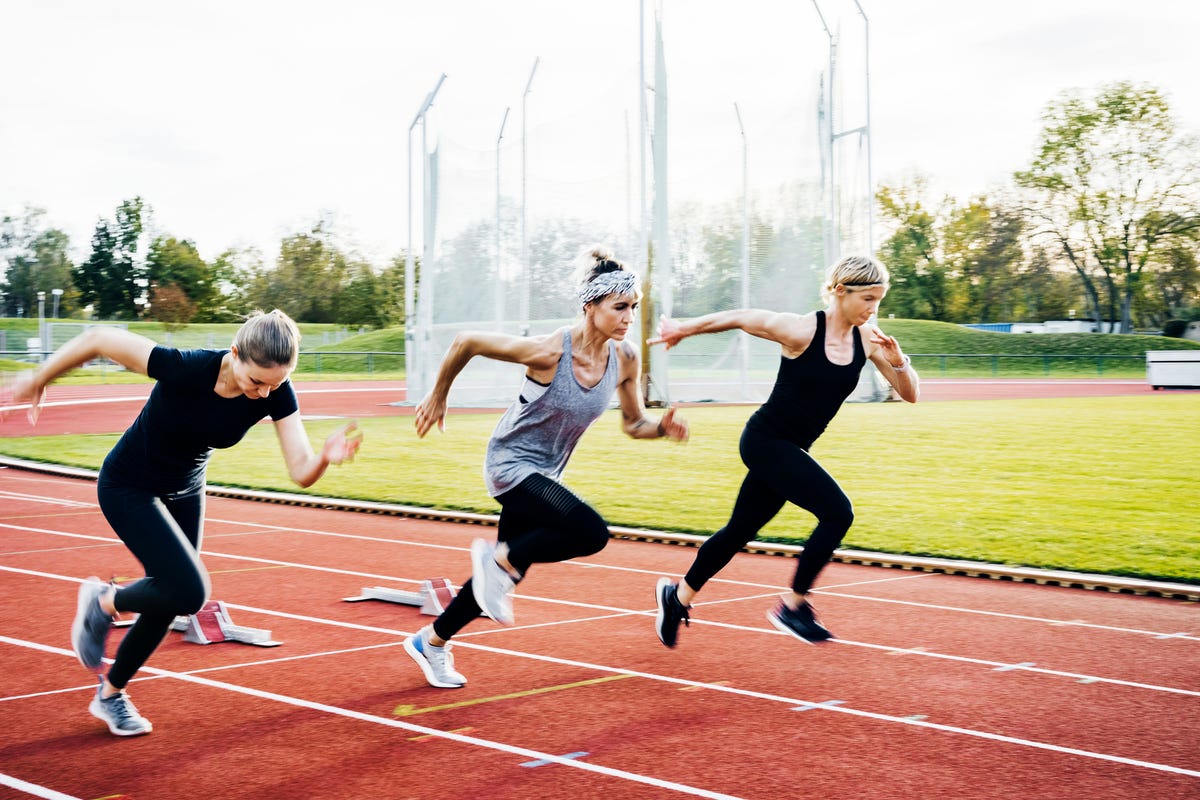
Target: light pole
x: 745, y: 337
x: 57, y: 294
x: 525, y: 282
x: 499, y: 260
x: 42, y: 324
x: 411, y: 358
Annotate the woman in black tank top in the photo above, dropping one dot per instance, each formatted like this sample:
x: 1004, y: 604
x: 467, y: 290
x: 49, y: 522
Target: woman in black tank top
x: 823, y: 354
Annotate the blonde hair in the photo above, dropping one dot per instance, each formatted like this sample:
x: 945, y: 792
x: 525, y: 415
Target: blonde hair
x: 855, y: 273
x: 269, y: 340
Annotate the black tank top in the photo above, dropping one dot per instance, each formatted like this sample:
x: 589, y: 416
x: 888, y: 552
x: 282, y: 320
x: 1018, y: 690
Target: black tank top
x: 809, y: 390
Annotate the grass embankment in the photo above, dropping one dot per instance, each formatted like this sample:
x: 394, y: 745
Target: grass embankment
x: 1097, y: 484
x: 939, y: 349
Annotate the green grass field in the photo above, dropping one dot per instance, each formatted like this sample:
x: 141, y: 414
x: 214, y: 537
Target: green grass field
x: 1094, y: 484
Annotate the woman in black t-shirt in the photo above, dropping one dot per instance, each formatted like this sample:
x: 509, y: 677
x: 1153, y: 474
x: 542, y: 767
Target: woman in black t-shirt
x: 151, y: 486
x: 823, y: 353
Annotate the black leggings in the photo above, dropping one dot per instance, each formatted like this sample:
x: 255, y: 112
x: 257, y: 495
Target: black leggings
x: 779, y: 472
x: 163, y: 532
x: 543, y: 522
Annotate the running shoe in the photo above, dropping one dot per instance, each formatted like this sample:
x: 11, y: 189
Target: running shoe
x: 801, y: 623
x: 436, y: 662
x: 119, y: 713
x: 491, y: 583
x: 671, y: 612
x: 89, y: 632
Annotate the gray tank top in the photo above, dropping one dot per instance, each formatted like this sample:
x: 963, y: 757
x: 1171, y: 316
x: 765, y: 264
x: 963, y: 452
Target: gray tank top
x: 539, y: 436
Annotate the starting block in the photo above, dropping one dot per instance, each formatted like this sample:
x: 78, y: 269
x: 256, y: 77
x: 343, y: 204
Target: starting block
x: 213, y: 624
x: 433, y: 596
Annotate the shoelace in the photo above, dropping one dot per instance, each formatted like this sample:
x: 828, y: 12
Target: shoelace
x: 121, y: 707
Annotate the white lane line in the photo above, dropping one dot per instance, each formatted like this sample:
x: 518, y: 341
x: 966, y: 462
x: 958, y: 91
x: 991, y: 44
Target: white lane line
x: 33, y: 788
x: 615, y: 612
x: 828, y: 590
x: 359, y: 716
x: 792, y: 702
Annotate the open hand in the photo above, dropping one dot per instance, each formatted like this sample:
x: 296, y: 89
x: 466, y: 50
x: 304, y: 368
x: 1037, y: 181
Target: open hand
x: 670, y: 333
x: 431, y: 411
x: 341, y: 446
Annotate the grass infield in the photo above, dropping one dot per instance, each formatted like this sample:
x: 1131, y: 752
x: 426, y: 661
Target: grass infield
x: 1091, y: 484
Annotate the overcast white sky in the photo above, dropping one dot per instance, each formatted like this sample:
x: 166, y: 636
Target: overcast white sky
x: 241, y: 122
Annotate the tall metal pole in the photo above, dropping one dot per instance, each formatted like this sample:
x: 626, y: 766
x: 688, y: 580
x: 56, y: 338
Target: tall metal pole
x: 411, y: 357
x: 870, y: 176
x: 525, y: 282
x: 834, y: 240
x: 643, y: 236
x: 745, y: 337
x: 499, y: 259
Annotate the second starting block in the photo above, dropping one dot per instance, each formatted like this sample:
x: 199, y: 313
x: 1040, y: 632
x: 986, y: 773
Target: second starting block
x: 433, y: 596
x: 213, y: 624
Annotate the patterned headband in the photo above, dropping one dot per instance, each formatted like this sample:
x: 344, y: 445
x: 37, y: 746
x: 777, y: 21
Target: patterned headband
x: 606, y: 283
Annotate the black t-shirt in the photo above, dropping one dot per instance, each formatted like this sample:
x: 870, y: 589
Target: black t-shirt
x: 168, y: 446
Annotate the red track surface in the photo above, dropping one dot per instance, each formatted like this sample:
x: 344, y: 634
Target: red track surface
x: 938, y: 686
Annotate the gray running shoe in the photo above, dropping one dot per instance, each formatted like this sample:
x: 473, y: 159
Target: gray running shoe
x: 801, y: 623
x: 89, y: 632
x: 491, y: 583
x: 119, y: 713
x: 436, y: 662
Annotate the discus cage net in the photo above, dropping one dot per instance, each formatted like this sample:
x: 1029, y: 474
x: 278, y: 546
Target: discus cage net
x: 717, y: 202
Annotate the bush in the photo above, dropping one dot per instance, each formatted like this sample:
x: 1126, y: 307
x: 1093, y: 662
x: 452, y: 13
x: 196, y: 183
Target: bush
x: 1175, y: 328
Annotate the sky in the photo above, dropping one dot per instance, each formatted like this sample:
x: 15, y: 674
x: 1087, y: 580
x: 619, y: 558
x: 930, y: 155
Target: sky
x: 243, y: 122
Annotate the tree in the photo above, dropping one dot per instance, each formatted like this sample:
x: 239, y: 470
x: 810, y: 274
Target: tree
x: 308, y: 275
x: 982, y: 245
x: 175, y: 262
x: 170, y: 305
x: 113, y: 278
x: 1113, y: 186
x: 37, y: 260
x: 912, y: 254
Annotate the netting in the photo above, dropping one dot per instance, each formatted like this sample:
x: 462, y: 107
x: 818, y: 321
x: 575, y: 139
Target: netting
x: 506, y: 220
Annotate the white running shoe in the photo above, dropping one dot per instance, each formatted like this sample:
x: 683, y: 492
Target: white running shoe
x: 491, y: 583
x: 119, y: 713
x: 436, y: 662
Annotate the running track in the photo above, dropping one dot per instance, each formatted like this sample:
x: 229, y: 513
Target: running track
x: 939, y: 686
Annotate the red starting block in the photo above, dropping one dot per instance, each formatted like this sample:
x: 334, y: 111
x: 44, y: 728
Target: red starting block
x: 213, y: 624
x: 433, y: 596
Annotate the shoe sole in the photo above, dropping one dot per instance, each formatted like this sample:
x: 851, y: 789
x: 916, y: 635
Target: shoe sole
x: 479, y: 549
x: 662, y: 610
x: 774, y: 620
x: 77, y: 627
x: 93, y: 707
x: 417, y: 656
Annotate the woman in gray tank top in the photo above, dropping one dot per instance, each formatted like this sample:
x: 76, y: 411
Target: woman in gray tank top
x: 570, y: 377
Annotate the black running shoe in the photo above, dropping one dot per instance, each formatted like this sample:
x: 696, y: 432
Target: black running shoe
x: 671, y: 612
x: 801, y: 623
